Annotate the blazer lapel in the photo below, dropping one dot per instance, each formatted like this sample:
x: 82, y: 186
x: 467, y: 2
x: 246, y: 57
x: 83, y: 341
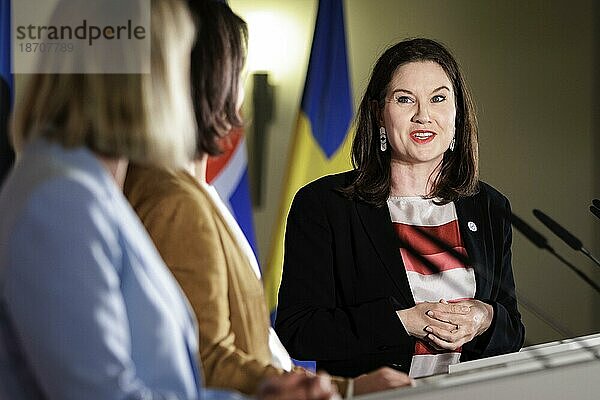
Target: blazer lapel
x: 473, y: 229
x: 232, y: 236
x: 377, y: 224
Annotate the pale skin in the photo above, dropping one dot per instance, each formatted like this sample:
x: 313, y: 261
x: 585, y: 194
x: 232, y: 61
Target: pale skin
x: 419, y: 116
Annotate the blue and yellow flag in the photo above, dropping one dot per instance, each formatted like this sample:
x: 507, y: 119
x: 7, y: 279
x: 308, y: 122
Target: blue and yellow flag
x: 6, y: 88
x: 322, y: 142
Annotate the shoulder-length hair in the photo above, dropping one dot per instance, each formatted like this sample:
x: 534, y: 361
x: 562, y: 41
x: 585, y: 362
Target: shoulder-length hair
x: 459, y: 171
x: 218, y: 58
x: 144, y: 117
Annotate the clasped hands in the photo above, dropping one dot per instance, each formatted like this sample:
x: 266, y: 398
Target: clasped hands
x: 447, y: 326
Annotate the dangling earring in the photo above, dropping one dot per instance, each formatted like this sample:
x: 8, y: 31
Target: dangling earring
x: 382, y: 139
x: 452, y: 143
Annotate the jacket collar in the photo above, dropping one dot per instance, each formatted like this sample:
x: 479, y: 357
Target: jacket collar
x: 378, y: 226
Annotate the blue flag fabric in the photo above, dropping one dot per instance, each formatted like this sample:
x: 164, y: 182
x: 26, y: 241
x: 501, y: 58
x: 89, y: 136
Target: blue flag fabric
x: 6, y: 88
x: 5, y: 46
x: 327, y: 100
x: 242, y: 208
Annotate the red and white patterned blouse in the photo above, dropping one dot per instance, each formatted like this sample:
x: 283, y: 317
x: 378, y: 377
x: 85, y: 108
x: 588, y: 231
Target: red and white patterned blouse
x: 454, y: 281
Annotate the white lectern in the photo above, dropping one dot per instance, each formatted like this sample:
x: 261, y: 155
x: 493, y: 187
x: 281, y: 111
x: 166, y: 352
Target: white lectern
x: 568, y: 369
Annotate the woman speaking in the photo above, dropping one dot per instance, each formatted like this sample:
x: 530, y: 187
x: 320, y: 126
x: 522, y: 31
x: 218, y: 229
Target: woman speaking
x: 355, y: 292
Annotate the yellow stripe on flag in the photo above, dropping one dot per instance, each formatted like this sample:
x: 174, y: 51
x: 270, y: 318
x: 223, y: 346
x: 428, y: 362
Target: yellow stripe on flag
x: 307, y: 163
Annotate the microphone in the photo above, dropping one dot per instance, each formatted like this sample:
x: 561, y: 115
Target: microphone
x: 564, y: 234
x: 596, y: 203
x: 540, y: 241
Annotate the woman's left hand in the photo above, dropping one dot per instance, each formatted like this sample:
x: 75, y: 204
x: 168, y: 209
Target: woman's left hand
x: 468, y: 326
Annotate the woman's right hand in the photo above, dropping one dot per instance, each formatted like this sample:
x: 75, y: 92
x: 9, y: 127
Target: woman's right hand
x: 297, y: 385
x: 417, y: 318
x: 382, y: 379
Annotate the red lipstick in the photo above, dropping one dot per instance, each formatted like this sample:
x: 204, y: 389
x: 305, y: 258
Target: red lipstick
x: 421, y: 136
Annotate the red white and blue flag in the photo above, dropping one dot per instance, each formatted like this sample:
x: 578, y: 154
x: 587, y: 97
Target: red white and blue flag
x: 228, y: 173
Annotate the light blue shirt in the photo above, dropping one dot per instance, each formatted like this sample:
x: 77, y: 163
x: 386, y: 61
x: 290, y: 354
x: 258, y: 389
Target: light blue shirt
x: 88, y: 310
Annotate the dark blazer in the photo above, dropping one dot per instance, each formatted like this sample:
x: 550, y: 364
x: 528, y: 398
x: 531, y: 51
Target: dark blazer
x: 343, y: 280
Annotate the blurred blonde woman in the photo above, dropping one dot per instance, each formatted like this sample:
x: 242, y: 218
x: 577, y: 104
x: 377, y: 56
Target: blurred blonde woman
x: 87, y: 308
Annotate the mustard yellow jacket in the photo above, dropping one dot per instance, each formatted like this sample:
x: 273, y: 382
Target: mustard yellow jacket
x: 226, y: 295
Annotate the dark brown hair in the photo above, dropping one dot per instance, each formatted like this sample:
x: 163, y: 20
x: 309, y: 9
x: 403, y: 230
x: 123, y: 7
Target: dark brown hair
x: 459, y: 172
x: 218, y: 59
